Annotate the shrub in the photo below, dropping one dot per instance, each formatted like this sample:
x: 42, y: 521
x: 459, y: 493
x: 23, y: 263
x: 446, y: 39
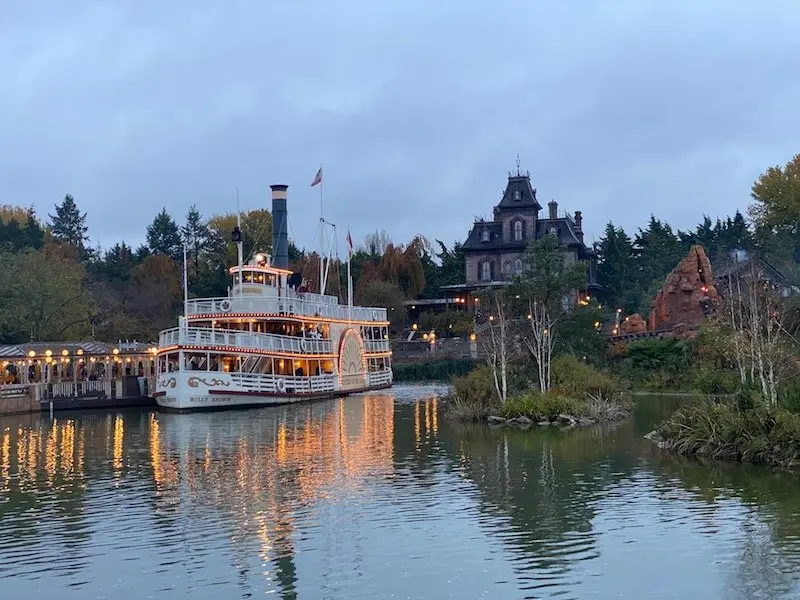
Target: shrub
x: 710, y: 380
x: 540, y: 407
x: 434, y: 370
x: 576, y: 379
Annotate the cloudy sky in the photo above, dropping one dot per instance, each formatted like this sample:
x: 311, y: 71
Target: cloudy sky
x: 417, y: 109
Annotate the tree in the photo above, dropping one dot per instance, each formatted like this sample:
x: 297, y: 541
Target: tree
x: 776, y: 211
x: 544, y: 289
x: 497, y: 336
x: 376, y: 242
x: 387, y: 295
x: 68, y: 225
x: 759, y: 320
x: 44, y: 297
x: 163, y: 236
x: 196, y: 237
x: 256, y: 234
x: 155, y: 291
x: 616, y: 268
x: 118, y: 262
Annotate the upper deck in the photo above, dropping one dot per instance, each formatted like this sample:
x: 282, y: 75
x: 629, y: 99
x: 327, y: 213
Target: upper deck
x: 312, y: 306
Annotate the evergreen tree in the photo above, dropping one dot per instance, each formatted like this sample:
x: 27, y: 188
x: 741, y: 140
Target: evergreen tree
x: 68, y: 224
x: 196, y: 236
x: 657, y: 250
x: 615, y: 268
x: 164, y: 237
x: 118, y: 262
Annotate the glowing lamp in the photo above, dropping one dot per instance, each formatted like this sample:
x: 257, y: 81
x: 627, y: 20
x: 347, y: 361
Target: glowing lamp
x: 79, y: 352
x: 65, y: 352
x: 115, y: 351
x: 48, y: 353
x: 31, y: 353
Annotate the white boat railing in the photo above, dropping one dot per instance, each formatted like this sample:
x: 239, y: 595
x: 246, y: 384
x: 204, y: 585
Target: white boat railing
x: 377, y: 378
x: 217, y: 338
x: 279, y: 384
x: 376, y: 345
x: 284, y: 306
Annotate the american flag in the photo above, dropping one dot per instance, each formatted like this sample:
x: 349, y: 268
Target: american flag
x: 349, y: 244
x: 317, y: 178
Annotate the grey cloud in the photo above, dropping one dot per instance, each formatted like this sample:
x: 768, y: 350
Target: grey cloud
x: 416, y: 109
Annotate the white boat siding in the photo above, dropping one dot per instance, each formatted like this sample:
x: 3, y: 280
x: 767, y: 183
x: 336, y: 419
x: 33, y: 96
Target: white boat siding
x: 186, y: 390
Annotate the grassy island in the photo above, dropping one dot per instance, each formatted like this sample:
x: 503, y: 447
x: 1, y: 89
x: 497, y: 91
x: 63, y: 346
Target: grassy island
x: 580, y: 394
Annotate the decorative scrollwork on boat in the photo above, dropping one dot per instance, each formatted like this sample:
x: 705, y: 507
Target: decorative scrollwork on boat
x: 194, y: 382
x: 168, y: 383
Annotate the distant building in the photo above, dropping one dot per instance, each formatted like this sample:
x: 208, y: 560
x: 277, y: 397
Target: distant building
x: 741, y: 267
x: 494, y: 250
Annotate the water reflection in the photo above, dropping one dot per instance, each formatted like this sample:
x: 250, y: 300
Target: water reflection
x: 376, y: 496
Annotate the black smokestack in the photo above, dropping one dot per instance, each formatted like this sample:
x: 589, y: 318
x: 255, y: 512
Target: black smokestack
x: 280, y: 224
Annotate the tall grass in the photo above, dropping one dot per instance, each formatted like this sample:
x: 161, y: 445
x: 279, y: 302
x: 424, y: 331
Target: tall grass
x: 734, y: 430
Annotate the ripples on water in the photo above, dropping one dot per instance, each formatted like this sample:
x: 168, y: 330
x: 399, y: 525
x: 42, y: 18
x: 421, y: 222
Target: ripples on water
x: 376, y: 497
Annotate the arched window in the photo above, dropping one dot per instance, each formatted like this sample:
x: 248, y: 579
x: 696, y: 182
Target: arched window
x: 518, y: 266
x: 517, y: 195
x: 554, y: 231
x: 517, y: 231
x: 506, y: 268
x: 485, y: 237
x: 486, y: 271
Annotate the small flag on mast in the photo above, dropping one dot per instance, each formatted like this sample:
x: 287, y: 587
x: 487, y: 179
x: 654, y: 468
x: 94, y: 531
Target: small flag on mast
x: 349, y: 244
x: 317, y: 178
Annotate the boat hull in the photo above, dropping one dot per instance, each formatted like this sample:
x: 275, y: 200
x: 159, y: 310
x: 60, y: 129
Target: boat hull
x: 187, y: 391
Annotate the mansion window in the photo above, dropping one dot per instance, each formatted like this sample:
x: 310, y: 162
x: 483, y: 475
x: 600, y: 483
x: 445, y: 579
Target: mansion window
x: 485, y: 235
x: 517, y: 195
x: 486, y: 271
x: 518, y: 266
x: 517, y: 231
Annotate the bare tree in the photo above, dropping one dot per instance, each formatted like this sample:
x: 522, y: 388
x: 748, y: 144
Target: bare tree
x: 497, y: 338
x: 762, y: 345
x: 547, y: 280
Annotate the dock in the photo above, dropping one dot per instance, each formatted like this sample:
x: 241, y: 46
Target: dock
x: 56, y: 376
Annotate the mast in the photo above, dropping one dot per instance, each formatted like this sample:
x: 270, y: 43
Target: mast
x: 240, y: 241
x: 185, y: 284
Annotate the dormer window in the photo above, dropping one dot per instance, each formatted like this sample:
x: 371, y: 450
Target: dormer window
x: 517, y: 195
x: 553, y: 231
x: 518, y: 226
x: 485, y: 235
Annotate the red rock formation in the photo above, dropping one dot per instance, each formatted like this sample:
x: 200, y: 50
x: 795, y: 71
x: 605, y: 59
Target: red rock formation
x: 688, y: 294
x: 633, y: 324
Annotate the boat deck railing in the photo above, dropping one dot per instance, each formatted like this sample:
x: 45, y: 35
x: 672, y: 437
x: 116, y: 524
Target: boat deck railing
x: 222, y: 338
x: 286, y: 306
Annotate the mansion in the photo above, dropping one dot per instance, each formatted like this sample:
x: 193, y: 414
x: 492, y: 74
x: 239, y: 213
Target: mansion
x: 494, y: 250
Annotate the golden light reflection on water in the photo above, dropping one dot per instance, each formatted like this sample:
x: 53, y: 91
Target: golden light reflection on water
x: 119, y: 434
x: 5, y: 461
x: 430, y: 408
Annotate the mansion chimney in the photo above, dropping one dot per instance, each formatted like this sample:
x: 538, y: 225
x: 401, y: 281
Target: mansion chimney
x: 553, y: 206
x: 280, y: 227
x: 578, y: 221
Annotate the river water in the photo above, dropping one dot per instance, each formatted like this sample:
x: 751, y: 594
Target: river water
x: 378, y: 497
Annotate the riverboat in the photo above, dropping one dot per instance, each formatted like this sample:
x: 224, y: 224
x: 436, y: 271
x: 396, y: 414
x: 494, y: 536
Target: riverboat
x: 269, y: 341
